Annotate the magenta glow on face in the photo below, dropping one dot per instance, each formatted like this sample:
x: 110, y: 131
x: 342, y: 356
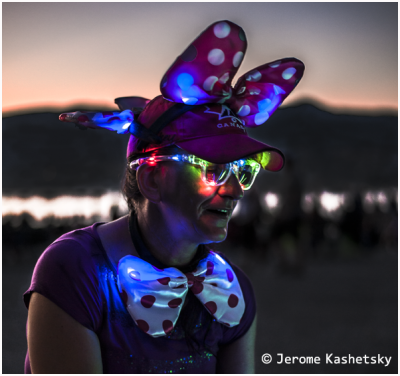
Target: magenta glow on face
x: 198, y: 211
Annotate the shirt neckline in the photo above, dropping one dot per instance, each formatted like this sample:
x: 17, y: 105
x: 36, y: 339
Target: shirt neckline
x: 102, y: 249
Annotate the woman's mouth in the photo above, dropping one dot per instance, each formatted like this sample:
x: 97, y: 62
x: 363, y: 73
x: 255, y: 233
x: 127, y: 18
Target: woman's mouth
x: 221, y: 213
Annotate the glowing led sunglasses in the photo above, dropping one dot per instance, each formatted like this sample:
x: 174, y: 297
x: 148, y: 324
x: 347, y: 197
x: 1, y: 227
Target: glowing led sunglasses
x: 245, y: 170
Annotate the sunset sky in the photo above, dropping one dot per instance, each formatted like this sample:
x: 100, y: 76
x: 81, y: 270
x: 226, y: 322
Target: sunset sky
x: 58, y: 54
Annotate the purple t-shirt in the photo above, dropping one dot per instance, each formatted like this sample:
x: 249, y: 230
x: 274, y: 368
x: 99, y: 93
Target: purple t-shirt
x: 75, y: 273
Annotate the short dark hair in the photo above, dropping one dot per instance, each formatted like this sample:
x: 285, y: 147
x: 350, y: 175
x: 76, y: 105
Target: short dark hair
x: 130, y: 186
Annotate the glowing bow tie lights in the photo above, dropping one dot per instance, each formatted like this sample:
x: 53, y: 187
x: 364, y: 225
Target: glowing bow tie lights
x: 154, y: 297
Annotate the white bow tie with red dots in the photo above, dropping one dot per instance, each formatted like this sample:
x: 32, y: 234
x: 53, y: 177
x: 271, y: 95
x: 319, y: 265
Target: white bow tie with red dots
x: 154, y: 297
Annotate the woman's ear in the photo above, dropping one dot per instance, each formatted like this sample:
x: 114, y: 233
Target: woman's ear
x: 146, y: 178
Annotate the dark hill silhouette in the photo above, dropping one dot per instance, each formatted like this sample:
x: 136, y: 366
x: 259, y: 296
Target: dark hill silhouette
x: 334, y: 152
x: 43, y: 156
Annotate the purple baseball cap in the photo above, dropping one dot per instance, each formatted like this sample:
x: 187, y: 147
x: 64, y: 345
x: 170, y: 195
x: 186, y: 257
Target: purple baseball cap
x: 199, y: 110
x: 210, y: 131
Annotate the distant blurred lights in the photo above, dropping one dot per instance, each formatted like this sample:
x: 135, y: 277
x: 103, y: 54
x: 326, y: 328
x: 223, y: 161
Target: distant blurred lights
x: 65, y: 206
x: 368, y: 202
x: 383, y: 201
x: 272, y: 200
x: 307, y: 204
x: 331, y: 201
x: 379, y: 199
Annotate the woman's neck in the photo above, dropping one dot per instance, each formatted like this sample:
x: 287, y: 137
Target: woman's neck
x: 164, y: 244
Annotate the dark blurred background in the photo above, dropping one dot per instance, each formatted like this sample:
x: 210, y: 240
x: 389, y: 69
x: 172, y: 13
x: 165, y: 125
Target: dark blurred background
x: 318, y: 240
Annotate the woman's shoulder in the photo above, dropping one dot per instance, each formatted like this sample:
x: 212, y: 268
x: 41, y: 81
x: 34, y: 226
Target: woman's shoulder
x: 79, y: 243
x: 86, y: 237
x: 67, y: 273
x: 74, y: 254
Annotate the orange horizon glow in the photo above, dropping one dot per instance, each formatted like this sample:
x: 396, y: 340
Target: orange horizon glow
x: 58, y: 55
x: 59, y: 106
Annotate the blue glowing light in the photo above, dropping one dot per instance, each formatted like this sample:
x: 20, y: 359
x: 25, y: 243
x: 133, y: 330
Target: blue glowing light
x: 288, y: 73
x: 278, y: 90
x: 190, y: 101
x: 261, y: 118
x: 264, y: 104
x: 135, y: 275
x: 244, y: 110
x: 185, y: 80
x: 220, y: 258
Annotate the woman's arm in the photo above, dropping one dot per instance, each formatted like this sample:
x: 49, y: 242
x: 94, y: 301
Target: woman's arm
x: 238, y: 357
x: 59, y: 344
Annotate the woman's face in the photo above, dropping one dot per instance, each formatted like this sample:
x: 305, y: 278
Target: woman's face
x: 192, y: 208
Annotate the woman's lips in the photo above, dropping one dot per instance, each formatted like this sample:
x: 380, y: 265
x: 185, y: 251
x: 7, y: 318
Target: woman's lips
x: 220, y: 213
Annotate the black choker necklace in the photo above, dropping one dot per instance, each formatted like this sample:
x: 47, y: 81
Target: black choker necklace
x: 144, y: 253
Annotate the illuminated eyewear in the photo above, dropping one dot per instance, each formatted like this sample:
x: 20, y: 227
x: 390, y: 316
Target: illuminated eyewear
x: 245, y: 170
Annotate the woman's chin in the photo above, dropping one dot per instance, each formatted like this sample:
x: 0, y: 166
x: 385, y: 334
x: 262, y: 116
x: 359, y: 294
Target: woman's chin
x: 213, y: 234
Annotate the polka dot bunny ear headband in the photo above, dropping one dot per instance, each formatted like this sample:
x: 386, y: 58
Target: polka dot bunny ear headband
x: 204, y: 72
x: 198, y: 110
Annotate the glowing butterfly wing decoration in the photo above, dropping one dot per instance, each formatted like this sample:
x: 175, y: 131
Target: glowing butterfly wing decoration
x: 113, y: 121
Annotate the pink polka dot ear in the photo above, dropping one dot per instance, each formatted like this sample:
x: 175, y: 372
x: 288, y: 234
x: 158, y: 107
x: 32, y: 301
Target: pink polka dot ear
x: 204, y: 71
x: 259, y: 92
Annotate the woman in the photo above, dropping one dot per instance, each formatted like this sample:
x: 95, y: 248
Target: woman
x: 144, y: 293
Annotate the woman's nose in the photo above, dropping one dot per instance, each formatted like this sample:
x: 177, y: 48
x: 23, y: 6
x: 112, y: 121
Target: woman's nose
x: 231, y: 188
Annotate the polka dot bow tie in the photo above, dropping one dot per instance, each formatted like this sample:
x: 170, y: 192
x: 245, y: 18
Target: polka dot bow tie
x: 154, y: 297
x: 203, y: 74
